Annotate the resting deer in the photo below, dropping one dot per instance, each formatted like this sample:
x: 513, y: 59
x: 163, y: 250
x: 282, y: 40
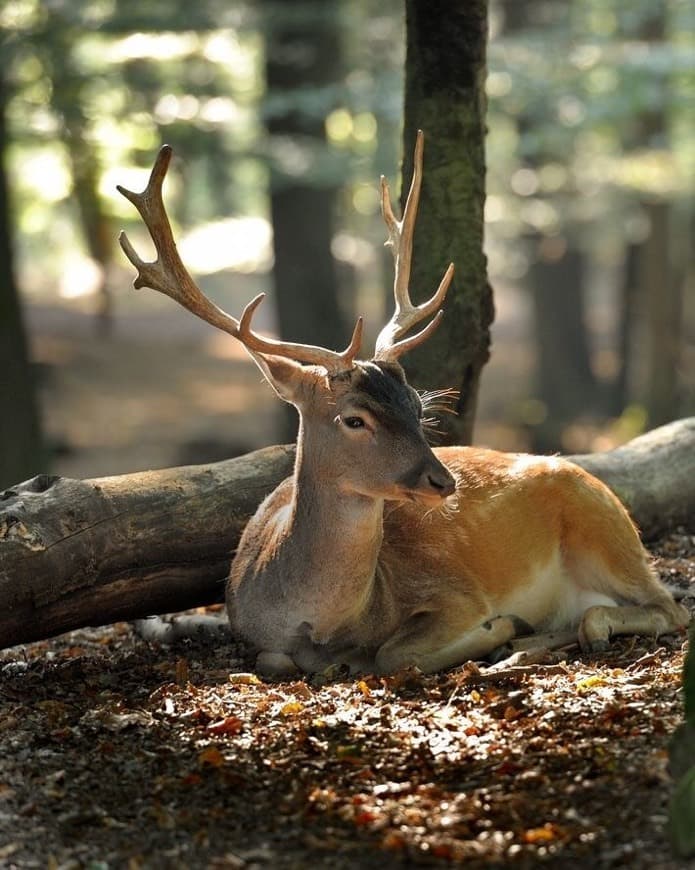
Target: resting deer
x: 380, y: 552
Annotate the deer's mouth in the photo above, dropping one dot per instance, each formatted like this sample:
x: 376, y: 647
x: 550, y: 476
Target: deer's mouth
x: 426, y: 497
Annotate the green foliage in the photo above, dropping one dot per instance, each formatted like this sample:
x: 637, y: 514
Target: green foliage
x: 587, y: 117
x: 120, y: 78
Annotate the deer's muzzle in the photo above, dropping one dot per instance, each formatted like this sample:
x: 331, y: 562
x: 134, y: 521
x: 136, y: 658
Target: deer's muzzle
x: 429, y: 479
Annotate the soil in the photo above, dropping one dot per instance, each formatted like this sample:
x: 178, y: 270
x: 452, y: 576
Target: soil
x: 120, y: 754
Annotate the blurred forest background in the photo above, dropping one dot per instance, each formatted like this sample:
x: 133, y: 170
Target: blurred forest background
x: 282, y: 116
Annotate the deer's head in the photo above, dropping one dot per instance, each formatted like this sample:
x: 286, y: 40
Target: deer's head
x: 361, y: 422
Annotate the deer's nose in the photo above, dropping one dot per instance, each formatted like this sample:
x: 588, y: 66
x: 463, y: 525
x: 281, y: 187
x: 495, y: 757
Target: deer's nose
x: 442, y: 483
x: 430, y: 478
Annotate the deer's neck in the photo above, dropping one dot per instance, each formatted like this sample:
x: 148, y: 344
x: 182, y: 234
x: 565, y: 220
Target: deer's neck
x: 335, y: 541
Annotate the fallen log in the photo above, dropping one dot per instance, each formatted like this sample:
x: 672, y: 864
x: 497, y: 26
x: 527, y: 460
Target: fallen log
x: 653, y: 475
x: 90, y: 552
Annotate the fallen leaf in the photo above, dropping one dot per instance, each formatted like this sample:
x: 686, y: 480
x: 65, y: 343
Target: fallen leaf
x: 350, y: 752
x: 244, y: 679
x: 291, y: 708
x: 211, y: 757
x: 364, y: 688
x: 365, y: 817
x: 114, y: 720
x: 192, y: 779
x: 591, y: 683
x: 393, y: 841
x: 540, y: 835
x: 230, y: 725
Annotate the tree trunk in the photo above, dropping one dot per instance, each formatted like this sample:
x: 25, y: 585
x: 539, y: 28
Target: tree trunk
x: 20, y: 441
x: 566, y: 384
x: 302, y: 62
x: 664, y: 317
x: 658, y: 260
x: 619, y: 390
x: 76, y: 553
x: 67, y: 100
x: 555, y: 280
x: 445, y: 97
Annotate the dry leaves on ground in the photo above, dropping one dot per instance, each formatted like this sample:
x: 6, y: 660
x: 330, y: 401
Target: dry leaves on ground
x: 118, y: 754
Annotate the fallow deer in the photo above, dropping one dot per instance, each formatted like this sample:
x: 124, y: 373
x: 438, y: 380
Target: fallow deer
x: 380, y: 552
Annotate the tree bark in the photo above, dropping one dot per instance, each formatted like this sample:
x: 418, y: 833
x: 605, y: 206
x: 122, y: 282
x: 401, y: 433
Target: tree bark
x: 664, y: 316
x: 303, y: 52
x: 91, y: 552
x: 566, y: 385
x: 445, y: 97
x: 20, y: 434
x: 69, y: 83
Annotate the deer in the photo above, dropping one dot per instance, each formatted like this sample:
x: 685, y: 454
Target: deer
x: 381, y: 552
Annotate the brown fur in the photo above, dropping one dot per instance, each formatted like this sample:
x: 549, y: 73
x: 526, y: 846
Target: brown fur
x: 523, y: 537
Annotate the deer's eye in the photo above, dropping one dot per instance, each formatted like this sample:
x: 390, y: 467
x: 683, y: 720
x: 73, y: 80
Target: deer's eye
x: 354, y: 422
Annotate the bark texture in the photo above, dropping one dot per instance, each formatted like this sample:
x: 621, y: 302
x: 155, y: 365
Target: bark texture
x: 91, y: 552
x: 445, y: 97
x: 303, y: 51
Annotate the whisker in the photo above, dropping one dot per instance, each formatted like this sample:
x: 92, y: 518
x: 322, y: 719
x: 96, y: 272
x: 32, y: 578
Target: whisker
x: 439, y: 400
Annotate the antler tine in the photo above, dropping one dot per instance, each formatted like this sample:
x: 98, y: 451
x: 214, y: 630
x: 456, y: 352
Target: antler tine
x: 167, y: 274
x: 309, y: 354
x: 389, y: 345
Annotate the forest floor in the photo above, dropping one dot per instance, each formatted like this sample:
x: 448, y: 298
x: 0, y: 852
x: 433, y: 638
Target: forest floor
x: 119, y: 754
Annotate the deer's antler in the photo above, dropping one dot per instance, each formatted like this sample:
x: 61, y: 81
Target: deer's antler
x: 390, y: 343
x: 305, y: 353
x: 168, y: 275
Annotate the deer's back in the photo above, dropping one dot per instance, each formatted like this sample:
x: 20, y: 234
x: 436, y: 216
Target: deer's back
x: 513, y: 516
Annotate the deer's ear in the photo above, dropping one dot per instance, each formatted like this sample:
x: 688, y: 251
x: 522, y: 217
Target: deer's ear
x: 286, y: 376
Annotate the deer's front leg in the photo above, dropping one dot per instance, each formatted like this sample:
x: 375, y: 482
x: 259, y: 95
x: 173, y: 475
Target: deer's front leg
x: 431, y: 642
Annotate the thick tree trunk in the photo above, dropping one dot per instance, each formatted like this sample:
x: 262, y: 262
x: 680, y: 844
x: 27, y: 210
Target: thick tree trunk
x: 445, y: 97
x: 76, y: 553
x: 303, y: 60
x: 20, y: 436
x: 68, y: 101
x: 664, y: 316
x: 566, y: 385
